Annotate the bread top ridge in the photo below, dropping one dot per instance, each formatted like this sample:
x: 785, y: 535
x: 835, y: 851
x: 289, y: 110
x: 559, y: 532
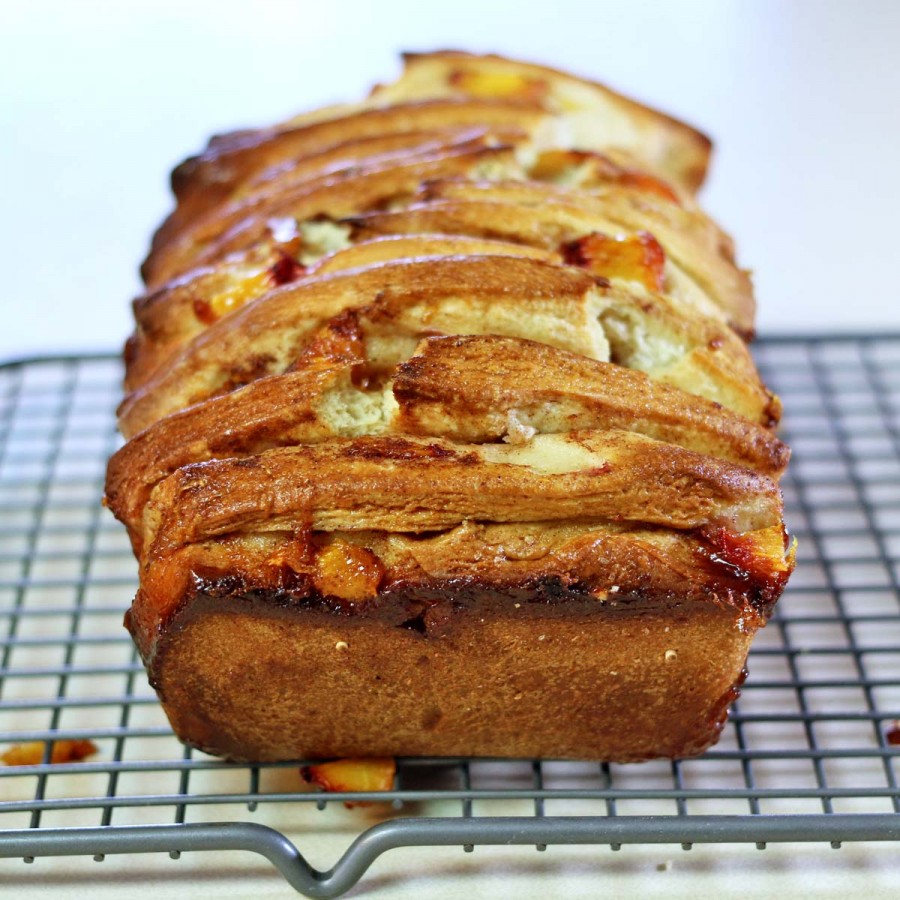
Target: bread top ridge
x: 478, y: 307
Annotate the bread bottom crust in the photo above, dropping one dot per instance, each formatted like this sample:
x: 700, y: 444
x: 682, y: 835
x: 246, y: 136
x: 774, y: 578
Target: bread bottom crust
x: 251, y: 679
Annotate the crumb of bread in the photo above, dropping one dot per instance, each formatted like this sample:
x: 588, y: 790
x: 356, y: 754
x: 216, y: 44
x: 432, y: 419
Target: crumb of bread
x: 517, y: 432
x: 321, y: 237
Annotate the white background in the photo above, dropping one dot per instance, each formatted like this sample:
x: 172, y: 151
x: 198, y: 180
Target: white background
x: 99, y: 101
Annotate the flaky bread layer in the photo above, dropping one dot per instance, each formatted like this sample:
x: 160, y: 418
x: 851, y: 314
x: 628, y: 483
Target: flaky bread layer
x: 472, y: 389
x: 205, y: 182
x: 513, y: 296
x: 406, y: 484
x: 367, y: 150
x: 367, y: 176
x: 169, y: 318
x: 699, y: 271
x: 339, y: 195
x: 592, y: 114
x: 547, y: 215
x: 445, y: 90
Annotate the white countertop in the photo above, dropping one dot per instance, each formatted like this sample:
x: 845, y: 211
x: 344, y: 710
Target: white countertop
x: 100, y: 100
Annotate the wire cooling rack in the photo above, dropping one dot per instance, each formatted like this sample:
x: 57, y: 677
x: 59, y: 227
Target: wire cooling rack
x: 808, y: 754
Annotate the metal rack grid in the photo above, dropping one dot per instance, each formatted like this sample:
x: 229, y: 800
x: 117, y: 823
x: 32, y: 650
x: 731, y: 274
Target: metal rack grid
x: 808, y: 754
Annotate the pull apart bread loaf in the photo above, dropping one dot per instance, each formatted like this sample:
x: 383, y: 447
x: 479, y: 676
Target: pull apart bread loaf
x: 443, y: 437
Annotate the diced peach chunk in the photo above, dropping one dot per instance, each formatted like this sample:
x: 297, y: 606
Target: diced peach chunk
x: 499, y: 85
x: 647, y: 183
x: 352, y: 775
x: 241, y: 291
x: 553, y: 164
x: 247, y: 287
x: 348, y: 572
x: 32, y: 752
x: 294, y: 553
x: 596, y: 169
x: 638, y: 257
x: 764, y: 555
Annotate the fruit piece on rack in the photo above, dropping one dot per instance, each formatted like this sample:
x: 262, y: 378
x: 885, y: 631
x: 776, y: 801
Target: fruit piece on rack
x: 32, y: 752
x: 352, y: 776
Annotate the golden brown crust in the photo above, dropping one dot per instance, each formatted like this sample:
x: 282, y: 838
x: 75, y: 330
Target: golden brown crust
x: 333, y: 159
x: 566, y: 306
x: 171, y: 316
x: 340, y: 194
x: 410, y: 485
x: 439, y: 410
x: 700, y: 249
x: 466, y: 387
x: 206, y: 181
x: 591, y: 110
x: 473, y: 389
x: 245, y: 680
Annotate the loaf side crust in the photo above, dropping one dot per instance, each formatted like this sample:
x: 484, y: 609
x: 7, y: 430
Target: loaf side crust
x: 249, y: 679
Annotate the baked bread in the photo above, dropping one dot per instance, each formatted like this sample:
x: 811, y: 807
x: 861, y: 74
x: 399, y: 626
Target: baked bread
x: 443, y: 437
